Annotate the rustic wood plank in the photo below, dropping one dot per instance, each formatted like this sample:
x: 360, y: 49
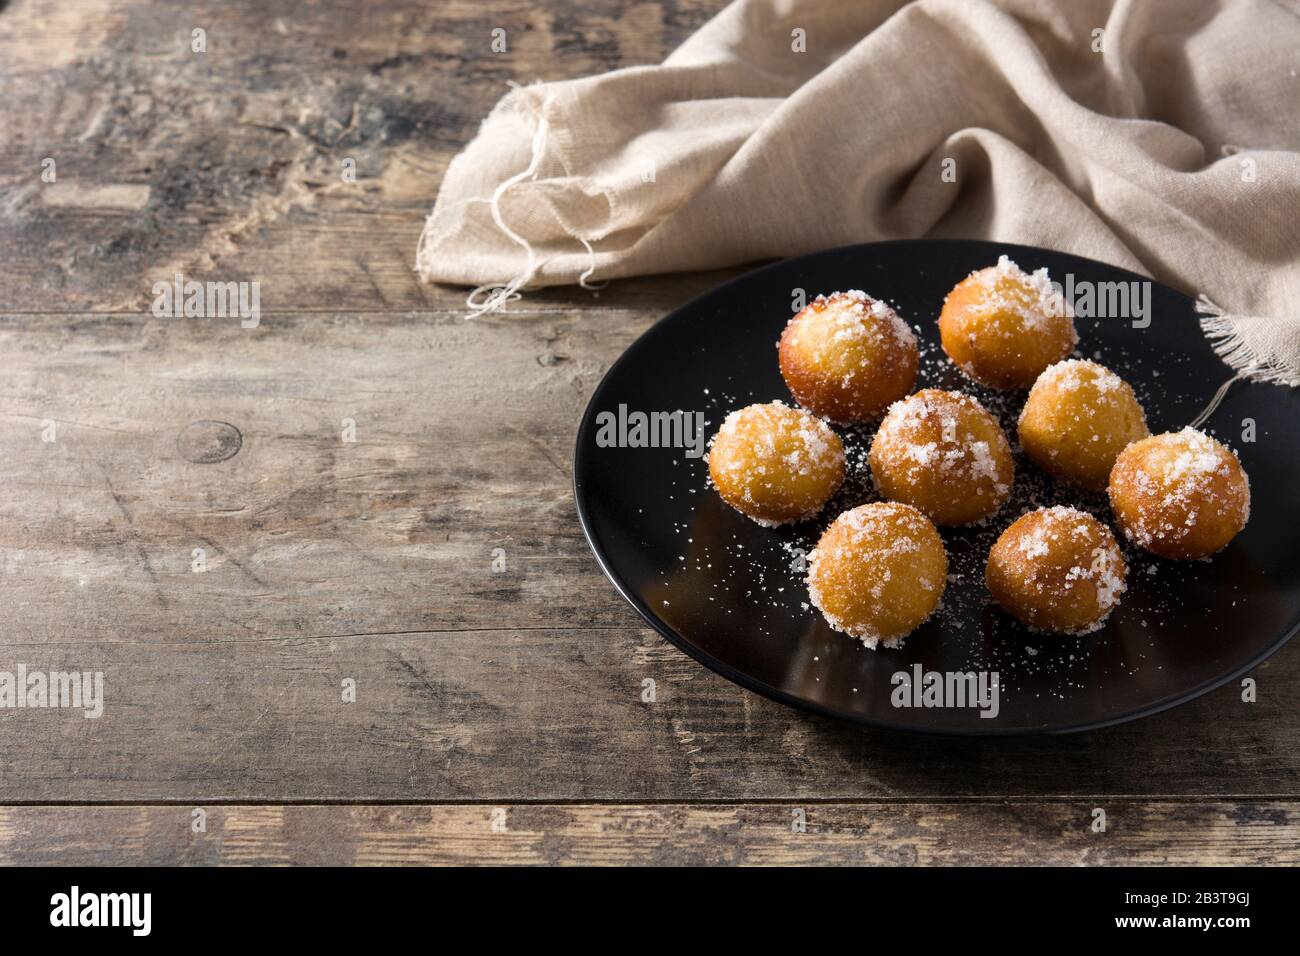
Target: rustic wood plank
x: 228, y: 164
x: 887, y: 833
x: 554, y: 715
x: 464, y: 435
x: 371, y: 560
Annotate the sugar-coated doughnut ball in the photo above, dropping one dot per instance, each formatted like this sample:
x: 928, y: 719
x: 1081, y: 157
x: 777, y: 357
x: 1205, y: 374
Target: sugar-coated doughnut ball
x: 1180, y: 494
x: 878, y: 572
x: 775, y: 463
x: 943, y: 453
x: 1057, y: 569
x: 847, y: 356
x: 1079, y: 416
x: 1003, y: 326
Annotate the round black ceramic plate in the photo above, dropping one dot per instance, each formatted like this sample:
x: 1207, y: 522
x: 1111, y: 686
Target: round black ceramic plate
x: 731, y: 594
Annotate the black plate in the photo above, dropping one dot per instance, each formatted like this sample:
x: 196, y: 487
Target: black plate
x: 728, y: 592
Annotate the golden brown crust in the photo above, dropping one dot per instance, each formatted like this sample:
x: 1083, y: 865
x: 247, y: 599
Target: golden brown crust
x: 1057, y: 569
x: 943, y: 453
x: 775, y: 463
x: 1003, y: 327
x: 1180, y: 495
x: 847, y: 356
x: 1079, y: 416
x: 878, y: 572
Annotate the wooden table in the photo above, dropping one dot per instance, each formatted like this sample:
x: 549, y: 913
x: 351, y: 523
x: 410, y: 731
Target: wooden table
x: 497, y: 715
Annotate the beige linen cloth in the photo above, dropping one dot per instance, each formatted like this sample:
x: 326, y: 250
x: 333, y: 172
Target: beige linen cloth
x: 1159, y: 135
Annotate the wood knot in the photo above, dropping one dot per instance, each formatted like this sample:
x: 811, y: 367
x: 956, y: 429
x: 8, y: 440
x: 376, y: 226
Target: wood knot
x: 207, y: 442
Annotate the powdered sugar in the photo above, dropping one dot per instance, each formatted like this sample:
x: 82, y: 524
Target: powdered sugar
x: 1164, y: 486
x: 1031, y: 296
x: 765, y: 448
x: 1063, y: 570
x: 1073, y: 374
x: 855, y: 317
x: 1200, y: 457
x: 930, y: 431
x: 871, y: 544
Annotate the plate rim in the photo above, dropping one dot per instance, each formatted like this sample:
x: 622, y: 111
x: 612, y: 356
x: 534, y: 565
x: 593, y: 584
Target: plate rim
x: 745, y: 681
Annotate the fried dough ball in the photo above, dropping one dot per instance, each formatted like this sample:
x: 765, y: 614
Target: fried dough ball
x: 847, y: 356
x: 1180, y: 495
x: 878, y: 572
x: 943, y: 453
x: 1057, y: 569
x: 1079, y: 416
x: 1002, y: 326
x: 775, y: 463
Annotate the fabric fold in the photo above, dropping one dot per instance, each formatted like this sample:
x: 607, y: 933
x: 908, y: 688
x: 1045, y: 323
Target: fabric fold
x: 1159, y: 135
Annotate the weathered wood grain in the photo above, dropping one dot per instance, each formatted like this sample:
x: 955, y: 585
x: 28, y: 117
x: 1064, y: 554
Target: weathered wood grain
x: 555, y: 714
x: 228, y: 164
x: 874, y: 834
x: 463, y: 439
